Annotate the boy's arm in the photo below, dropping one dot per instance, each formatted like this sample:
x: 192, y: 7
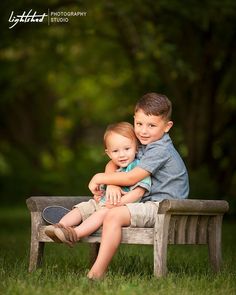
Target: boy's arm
x: 130, y: 197
x: 118, y: 178
x: 113, y: 192
x: 110, y: 167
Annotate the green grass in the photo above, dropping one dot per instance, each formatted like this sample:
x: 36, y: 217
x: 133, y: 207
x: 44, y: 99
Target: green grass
x: 64, y: 269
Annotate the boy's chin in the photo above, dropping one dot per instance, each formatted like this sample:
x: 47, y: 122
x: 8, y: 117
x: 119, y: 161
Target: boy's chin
x: 124, y: 164
x: 144, y: 142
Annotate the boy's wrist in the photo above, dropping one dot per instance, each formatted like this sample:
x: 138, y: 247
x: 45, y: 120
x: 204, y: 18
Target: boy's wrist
x: 98, y: 178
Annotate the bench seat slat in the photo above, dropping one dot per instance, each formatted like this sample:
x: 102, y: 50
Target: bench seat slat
x: 129, y: 236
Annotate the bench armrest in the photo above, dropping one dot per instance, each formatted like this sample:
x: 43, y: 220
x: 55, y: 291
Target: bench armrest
x: 37, y: 204
x: 193, y: 206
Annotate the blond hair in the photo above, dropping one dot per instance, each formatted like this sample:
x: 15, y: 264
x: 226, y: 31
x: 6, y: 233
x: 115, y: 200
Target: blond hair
x: 122, y: 128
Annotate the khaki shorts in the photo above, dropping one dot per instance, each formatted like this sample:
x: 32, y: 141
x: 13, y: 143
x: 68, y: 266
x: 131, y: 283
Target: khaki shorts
x: 88, y: 208
x: 143, y: 214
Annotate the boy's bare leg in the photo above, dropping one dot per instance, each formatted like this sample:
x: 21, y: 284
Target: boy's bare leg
x: 72, y: 218
x: 91, y: 224
x: 113, y: 222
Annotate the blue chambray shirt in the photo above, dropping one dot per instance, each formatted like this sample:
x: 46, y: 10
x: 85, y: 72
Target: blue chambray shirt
x: 168, y: 172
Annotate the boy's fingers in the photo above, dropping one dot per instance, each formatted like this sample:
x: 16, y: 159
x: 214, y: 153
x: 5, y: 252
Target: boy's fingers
x: 113, y: 196
x: 114, y: 200
x: 118, y: 198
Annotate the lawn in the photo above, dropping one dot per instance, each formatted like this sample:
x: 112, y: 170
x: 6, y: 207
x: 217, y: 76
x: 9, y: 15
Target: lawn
x: 64, y: 269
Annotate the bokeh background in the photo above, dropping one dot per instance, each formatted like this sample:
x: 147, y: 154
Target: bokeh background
x: 62, y: 84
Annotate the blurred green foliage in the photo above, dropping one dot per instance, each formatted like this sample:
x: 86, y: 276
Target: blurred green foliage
x: 62, y: 84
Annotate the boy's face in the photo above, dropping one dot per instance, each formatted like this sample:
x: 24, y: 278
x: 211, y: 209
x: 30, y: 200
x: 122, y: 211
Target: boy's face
x: 150, y: 128
x: 121, y: 149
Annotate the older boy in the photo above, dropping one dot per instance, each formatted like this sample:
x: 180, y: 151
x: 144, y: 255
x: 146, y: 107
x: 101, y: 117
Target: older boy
x: 158, y: 158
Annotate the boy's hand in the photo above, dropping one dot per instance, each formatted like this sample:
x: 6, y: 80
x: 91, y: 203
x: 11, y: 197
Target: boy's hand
x: 97, y: 198
x: 94, y: 186
x: 110, y: 206
x: 114, y: 194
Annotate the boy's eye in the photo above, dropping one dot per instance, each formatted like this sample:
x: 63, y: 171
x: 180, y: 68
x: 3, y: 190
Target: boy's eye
x: 152, y: 125
x: 115, y: 151
x: 138, y: 123
x: 127, y: 148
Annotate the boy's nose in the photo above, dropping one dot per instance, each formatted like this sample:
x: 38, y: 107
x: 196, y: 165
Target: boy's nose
x: 143, y: 130
x: 121, y: 153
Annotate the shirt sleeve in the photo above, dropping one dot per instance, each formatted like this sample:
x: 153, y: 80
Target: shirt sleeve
x: 144, y: 183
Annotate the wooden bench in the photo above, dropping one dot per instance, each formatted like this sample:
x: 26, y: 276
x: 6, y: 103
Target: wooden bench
x: 185, y: 222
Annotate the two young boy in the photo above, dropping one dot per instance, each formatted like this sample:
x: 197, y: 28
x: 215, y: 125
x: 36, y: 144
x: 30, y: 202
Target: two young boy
x: 158, y: 159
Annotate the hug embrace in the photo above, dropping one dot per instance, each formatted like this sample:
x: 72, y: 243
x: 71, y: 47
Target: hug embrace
x: 144, y: 169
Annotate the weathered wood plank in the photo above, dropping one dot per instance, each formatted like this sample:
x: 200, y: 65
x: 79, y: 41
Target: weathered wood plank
x: 189, y: 206
x: 214, y: 242
x: 191, y: 233
x: 37, y: 204
x: 36, y: 247
x: 202, y: 230
x: 181, y: 230
x: 129, y: 236
x: 160, y: 244
x: 172, y: 206
x: 172, y: 229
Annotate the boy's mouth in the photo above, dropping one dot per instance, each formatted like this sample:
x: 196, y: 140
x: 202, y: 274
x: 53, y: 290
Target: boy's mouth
x: 123, y: 161
x: 142, y: 138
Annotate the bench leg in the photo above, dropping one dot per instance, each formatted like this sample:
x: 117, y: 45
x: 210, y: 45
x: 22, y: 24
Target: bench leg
x: 36, y: 255
x: 160, y: 244
x: 214, y: 242
x: 94, y: 248
x: 36, y: 247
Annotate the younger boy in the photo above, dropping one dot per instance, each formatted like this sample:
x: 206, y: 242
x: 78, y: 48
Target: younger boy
x: 86, y: 217
x: 158, y: 158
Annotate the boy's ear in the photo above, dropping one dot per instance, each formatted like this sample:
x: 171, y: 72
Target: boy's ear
x: 169, y: 124
x: 107, y: 152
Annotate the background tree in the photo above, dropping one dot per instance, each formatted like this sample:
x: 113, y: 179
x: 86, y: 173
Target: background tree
x: 62, y: 84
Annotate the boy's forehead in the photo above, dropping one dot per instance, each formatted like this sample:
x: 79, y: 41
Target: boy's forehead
x: 118, y: 138
x: 140, y: 115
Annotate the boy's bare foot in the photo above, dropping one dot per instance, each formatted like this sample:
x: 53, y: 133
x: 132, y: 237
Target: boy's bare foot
x: 95, y: 276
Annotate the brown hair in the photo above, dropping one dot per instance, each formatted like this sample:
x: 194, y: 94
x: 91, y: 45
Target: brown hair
x: 123, y: 128
x: 155, y: 104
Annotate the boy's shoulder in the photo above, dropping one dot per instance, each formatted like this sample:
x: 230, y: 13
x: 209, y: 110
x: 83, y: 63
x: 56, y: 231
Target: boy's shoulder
x: 164, y: 142
x: 156, y: 146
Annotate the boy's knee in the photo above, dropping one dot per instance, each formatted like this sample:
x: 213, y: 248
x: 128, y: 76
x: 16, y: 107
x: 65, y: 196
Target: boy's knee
x: 117, y: 216
x: 111, y: 216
